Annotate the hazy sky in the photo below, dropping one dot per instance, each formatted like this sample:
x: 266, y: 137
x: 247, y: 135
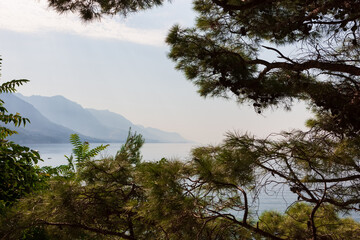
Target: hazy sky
x: 121, y: 65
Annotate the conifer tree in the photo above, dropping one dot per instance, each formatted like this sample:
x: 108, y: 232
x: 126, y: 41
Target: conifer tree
x: 224, y: 56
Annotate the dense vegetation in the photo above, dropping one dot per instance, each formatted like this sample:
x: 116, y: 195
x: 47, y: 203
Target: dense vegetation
x: 122, y: 197
x: 18, y: 174
x: 212, y: 196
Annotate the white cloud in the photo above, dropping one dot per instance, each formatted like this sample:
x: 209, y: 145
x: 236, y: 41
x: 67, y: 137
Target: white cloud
x: 34, y: 16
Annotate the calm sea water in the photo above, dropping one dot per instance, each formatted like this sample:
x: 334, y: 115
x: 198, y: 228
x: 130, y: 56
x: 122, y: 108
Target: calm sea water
x: 53, y: 154
x: 273, y: 199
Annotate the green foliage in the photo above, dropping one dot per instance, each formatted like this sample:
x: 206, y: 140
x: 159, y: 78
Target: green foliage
x: 35, y: 233
x: 131, y: 149
x: 82, y: 153
x: 166, y: 204
x: 90, y: 10
x: 100, y: 199
x: 224, y: 54
x: 18, y: 175
x: 124, y: 198
x: 294, y: 223
x: 82, y: 150
x: 212, y: 196
x: 209, y: 197
x: 5, y: 117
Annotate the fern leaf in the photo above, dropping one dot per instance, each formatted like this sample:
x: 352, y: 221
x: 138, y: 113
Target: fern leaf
x: 95, y: 151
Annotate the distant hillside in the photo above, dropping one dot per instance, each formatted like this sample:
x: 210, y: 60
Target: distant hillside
x: 40, y: 129
x: 119, y: 123
x: 69, y: 114
x: 97, y: 124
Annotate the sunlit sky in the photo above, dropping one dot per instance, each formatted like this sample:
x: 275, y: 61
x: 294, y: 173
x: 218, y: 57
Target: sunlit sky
x: 121, y: 64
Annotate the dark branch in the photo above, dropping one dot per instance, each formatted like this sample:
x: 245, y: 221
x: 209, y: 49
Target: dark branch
x: 245, y: 5
x: 343, y: 179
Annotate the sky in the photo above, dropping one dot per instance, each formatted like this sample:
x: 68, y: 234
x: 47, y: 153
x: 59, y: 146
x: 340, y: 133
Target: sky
x: 121, y: 64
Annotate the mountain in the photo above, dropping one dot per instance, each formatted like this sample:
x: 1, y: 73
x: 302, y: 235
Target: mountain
x: 67, y: 113
x: 162, y: 135
x: 40, y: 129
x: 99, y: 124
x: 117, y: 122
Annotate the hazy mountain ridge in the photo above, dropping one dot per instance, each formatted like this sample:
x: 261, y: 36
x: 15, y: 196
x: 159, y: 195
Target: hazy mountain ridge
x: 40, y: 129
x: 112, y: 120
x: 99, y: 125
x: 68, y: 114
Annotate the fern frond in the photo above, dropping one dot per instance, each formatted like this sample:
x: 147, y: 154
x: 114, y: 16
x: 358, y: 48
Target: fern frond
x: 82, y: 150
x: 95, y: 151
x: 75, y: 140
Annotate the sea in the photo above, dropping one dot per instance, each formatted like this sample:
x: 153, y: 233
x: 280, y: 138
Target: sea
x: 274, y: 198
